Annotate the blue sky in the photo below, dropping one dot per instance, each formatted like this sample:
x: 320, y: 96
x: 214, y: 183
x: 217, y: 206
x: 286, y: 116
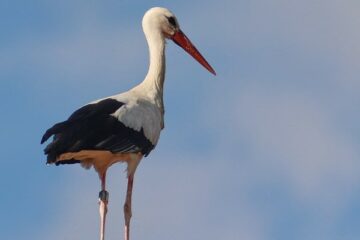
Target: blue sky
x: 267, y: 150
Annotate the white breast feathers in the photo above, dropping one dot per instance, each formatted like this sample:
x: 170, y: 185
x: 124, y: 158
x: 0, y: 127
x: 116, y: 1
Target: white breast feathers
x: 141, y: 114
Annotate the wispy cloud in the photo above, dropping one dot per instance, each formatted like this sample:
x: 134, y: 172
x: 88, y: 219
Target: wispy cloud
x: 79, y: 55
x: 301, y: 137
x: 276, y: 162
x: 285, y: 147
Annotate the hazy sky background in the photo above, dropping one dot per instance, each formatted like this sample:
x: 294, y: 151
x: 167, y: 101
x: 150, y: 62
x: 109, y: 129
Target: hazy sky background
x: 267, y: 150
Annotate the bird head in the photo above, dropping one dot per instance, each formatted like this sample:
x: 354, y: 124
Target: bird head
x: 162, y: 21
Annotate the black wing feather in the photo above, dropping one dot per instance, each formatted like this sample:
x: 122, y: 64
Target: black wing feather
x: 93, y: 128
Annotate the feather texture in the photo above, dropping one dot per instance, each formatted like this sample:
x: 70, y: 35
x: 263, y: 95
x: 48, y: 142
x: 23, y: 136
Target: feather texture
x: 93, y: 127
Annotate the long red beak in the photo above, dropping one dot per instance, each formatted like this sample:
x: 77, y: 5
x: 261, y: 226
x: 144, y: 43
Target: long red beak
x: 180, y: 39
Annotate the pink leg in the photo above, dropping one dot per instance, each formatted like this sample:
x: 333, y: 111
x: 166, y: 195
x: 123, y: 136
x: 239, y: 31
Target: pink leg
x: 103, y: 201
x: 127, y: 206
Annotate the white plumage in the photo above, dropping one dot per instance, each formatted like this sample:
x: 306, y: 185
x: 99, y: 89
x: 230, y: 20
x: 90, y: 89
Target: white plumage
x: 138, y: 105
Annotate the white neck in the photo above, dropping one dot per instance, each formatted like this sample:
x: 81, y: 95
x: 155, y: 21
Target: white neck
x: 154, y: 81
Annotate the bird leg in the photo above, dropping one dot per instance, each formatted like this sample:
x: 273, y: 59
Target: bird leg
x: 103, y: 201
x: 127, y: 206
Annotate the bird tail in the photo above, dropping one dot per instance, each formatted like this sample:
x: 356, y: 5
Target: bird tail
x: 54, y: 148
x: 57, y: 128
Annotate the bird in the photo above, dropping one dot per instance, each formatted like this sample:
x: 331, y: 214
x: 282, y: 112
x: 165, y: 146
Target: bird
x: 124, y: 127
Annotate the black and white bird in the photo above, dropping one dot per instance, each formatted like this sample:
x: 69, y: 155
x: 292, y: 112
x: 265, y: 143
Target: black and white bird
x: 123, y: 127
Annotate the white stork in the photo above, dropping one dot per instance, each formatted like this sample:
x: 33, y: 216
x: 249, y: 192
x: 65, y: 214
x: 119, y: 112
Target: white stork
x: 124, y: 127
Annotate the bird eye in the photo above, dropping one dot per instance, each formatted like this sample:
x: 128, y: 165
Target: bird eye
x: 172, y: 21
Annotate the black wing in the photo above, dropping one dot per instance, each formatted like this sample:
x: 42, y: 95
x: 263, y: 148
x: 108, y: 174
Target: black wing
x: 93, y: 128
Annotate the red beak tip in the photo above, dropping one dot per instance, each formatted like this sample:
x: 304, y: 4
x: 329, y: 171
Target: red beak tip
x: 180, y: 39
x: 210, y: 69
